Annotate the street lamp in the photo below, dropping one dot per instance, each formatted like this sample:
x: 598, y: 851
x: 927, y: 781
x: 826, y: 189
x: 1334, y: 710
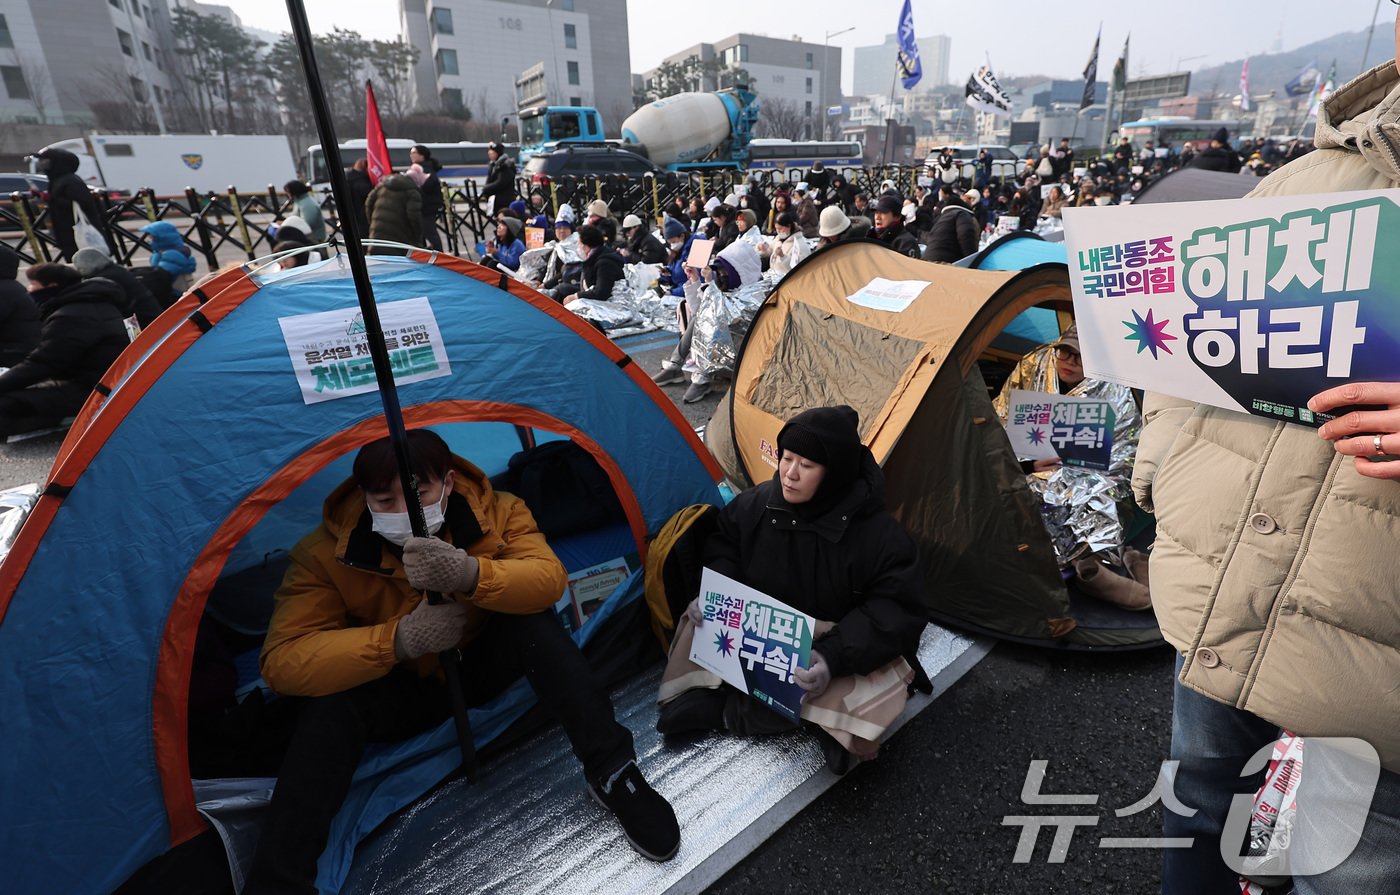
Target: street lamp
x: 826, y: 96
x: 1181, y: 59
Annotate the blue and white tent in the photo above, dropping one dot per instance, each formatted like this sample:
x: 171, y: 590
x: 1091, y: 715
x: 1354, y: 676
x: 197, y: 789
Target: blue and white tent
x: 210, y: 447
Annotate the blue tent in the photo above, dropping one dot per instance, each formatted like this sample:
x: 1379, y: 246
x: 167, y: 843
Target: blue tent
x: 1020, y: 250
x: 203, y: 453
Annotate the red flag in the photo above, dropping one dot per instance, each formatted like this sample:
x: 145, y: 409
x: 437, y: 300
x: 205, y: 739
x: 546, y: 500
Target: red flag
x: 376, y: 149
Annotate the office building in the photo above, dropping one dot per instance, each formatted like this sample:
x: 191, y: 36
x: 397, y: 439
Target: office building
x: 60, y: 57
x: 874, y: 66
x: 473, y: 51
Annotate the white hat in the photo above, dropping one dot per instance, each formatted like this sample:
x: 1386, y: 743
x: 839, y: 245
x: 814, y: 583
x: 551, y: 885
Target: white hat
x: 711, y: 204
x: 631, y: 221
x: 801, y: 187
x: 833, y: 222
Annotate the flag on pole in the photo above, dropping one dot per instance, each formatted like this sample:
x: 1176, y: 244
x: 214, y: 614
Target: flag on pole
x: 985, y: 94
x: 376, y: 148
x: 1324, y: 90
x: 1120, y: 69
x: 907, y: 63
x: 1091, y: 74
x: 1244, y: 87
x: 1303, y: 82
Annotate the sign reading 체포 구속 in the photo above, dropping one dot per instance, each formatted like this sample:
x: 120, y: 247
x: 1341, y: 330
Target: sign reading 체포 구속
x: 1077, y: 430
x: 330, y: 352
x: 1252, y: 305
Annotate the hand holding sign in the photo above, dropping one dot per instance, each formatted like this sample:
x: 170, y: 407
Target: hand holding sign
x: 1364, y: 434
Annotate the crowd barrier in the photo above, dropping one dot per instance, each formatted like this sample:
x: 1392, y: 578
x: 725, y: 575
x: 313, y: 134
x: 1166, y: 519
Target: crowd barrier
x: 215, y: 225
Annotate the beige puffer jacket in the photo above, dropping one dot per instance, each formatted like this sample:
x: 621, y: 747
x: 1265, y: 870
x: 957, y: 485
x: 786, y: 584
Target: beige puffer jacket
x: 1277, y: 567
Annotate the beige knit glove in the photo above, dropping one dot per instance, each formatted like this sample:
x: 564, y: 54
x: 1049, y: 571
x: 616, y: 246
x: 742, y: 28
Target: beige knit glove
x: 429, y: 628
x: 435, y: 565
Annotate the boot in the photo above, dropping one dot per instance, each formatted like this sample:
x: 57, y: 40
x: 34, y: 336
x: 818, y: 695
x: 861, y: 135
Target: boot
x: 1097, y: 581
x: 1136, y: 561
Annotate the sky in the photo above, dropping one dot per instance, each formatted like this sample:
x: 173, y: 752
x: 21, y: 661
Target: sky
x: 1019, y: 35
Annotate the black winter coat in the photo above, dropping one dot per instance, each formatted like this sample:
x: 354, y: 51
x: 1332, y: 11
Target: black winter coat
x: 431, y: 189
x: 856, y: 566
x: 19, y: 316
x: 81, y: 334
x: 601, y: 271
x: 138, y: 299
x: 1218, y: 158
x: 644, y: 248
x: 360, y: 188
x: 66, y: 190
x: 500, y: 183
x: 899, y: 239
x: 953, y: 236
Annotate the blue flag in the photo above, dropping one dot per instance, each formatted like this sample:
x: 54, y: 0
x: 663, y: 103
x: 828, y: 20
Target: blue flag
x: 1303, y: 82
x: 907, y: 64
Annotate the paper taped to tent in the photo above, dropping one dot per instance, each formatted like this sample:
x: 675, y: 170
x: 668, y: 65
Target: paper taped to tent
x: 204, y: 456
x: 906, y: 343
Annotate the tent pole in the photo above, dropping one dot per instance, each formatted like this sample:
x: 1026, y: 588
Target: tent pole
x: 379, y: 353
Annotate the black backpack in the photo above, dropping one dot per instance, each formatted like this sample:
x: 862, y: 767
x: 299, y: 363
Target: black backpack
x: 564, y: 487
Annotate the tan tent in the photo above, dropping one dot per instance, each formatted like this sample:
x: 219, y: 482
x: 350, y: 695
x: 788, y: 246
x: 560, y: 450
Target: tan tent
x: 912, y: 373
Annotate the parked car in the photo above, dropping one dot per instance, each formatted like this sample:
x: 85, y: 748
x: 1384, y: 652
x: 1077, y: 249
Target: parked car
x: 580, y: 161
x: 36, y: 185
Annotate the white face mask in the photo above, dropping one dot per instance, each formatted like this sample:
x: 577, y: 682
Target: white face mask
x: 396, y: 528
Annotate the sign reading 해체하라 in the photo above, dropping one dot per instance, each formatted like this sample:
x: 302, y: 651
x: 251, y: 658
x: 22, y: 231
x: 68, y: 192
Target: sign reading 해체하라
x: 330, y: 351
x: 753, y: 641
x: 1252, y: 305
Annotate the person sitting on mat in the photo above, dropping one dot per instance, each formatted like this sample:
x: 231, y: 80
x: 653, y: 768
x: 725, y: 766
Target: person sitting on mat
x: 354, y: 638
x: 818, y: 537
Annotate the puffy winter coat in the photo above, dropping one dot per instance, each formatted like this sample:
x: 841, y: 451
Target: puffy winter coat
x: 168, y: 249
x: 856, y: 565
x: 19, y: 316
x: 953, y: 236
x: 601, y: 271
x: 339, y: 606
x: 1275, y: 571
x: 395, y: 211
x: 80, y: 335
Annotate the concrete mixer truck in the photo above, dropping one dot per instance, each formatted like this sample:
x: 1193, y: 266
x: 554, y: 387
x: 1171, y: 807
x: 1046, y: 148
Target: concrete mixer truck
x: 684, y: 132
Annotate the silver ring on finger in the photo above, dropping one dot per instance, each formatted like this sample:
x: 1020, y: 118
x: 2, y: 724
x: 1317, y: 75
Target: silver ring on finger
x: 1376, y: 441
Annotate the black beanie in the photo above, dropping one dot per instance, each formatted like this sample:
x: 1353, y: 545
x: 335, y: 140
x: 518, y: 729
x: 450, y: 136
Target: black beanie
x: 826, y: 435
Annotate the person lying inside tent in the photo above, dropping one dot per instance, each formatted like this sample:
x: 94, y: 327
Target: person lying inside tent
x: 355, y: 639
x: 1084, y: 509
x: 818, y: 537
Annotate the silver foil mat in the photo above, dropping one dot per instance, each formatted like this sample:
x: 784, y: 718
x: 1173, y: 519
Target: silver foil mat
x: 1081, y: 507
x: 15, y: 506
x: 528, y: 825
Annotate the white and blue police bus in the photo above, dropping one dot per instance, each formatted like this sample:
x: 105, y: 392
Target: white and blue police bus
x: 460, y: 161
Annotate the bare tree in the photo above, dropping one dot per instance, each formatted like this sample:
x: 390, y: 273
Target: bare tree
x: 781, y: 119
x: 118, y: 102
x: 36, y: 77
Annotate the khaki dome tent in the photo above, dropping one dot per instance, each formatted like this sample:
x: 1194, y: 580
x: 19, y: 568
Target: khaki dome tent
x: 911, y: 371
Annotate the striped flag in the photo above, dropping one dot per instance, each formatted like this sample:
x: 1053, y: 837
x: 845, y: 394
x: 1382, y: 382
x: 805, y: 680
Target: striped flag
x: 1244, y: 87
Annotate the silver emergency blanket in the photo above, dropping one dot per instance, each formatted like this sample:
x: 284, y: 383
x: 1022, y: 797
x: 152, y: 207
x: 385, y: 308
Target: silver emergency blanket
x: 547, y: 261
x: 1081, y: 507
x: 721, y: 320
x: 634, y: 305
x: 15, y: 506
x: 528, y: 825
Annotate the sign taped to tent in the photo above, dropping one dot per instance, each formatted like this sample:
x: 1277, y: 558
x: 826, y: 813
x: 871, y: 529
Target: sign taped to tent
x: 894, y: 296
x: 330, y: 353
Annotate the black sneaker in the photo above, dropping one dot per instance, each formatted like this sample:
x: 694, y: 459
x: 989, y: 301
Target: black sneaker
x: 646, y: 817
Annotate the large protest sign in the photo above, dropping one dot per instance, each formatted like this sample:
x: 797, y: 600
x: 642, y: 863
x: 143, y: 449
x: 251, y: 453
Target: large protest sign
x: 1253, y: 305
x: 753, y: 641
x: 1077, y: 430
